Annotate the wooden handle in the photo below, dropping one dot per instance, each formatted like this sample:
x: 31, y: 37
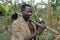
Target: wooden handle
x: 50, y: 29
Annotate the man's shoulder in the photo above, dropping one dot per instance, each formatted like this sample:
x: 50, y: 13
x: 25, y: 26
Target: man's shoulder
x: 17, y: 20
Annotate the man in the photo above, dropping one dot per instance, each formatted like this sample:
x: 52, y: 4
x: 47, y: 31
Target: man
x: 23, y: 27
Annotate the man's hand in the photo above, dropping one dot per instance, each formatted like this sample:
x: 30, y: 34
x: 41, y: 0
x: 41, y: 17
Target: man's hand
x: 38, y: 32
x: 41, y: 29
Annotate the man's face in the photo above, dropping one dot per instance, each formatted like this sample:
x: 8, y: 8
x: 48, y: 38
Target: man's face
x: 27, y: 12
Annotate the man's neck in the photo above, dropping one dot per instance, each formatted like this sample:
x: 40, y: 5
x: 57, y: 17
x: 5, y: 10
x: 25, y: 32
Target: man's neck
x: 25, y: 18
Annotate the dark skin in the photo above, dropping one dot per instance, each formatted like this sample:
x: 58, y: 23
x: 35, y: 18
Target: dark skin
x: 26, y: 15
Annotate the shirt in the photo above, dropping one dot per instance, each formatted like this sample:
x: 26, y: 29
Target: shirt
x: 20, y: 29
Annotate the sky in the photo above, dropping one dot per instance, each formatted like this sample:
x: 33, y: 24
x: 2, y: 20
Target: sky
x: 36, y: 1
x: 39, y: 1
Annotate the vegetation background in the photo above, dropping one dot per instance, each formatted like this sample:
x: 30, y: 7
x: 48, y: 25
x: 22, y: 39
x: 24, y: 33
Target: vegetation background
x: 50, y: 14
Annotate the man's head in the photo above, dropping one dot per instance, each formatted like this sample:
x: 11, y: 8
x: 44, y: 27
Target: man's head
x: 26, y: 10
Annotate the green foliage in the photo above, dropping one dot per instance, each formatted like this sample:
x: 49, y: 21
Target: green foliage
x: 46, y: 35
x: 54, y: 5
x: 5, y: 36
x: 2, y: 9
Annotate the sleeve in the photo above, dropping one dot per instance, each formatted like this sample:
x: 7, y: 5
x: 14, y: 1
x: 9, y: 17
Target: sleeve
x: 17, y: 31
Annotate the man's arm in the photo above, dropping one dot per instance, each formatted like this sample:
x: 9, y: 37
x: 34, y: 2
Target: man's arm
x: 38, y: 32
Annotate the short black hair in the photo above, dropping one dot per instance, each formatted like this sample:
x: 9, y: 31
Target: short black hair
x: 24, y: 6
